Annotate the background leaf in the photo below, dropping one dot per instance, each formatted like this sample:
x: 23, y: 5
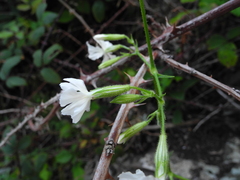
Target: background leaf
x: 8, y: 65
x: 227, y: 55
x: 37, y: 58
x: 15, y: 81
x: 5, y: 34
x: 63, y: 156
x: 48, y: 17
x: 51, y: 53
x: 40, y: 10
x: 50, y: 76
x: 98, y: 10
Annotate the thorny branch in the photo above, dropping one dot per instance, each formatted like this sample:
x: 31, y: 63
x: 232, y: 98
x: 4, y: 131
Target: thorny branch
x: 172, y: 32
x: 169, y: 33
x: 29, y: 117
x: 208, y: 79
x: 102, y: 168
x: 80, y: 18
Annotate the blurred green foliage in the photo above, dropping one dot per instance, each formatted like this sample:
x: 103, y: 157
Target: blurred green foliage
x: 29, y: 58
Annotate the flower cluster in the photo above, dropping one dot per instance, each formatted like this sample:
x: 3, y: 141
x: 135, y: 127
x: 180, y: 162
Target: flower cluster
x: 105, y: 49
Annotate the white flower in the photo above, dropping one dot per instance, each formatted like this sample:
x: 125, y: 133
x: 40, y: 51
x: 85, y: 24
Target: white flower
x: 99, y: 51
x: 75, y: 97
x: 138, y: 176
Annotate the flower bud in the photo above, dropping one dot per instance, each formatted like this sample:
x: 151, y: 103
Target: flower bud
x: 114, y: 48
x: 132, y: 131
x: 127, y: 98
x: 162, y: 158
x: 109, y: 37
x: 110, y: 91
x: 109, y: 62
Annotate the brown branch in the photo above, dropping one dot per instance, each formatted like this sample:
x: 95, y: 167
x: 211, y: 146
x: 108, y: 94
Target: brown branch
x: 192, y: 24
x: 51, y: 114
x: 80, y: 18
x: 173, y: 32
x: 112, y: 18
x: 28, y: 117
x: 208, y: 79
x: 102, y: 168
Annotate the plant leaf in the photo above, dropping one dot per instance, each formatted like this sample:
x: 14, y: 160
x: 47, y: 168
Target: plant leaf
x: 48, y: 17
x: 98, y: 10
x: 8, y: 65
x: 216, y: 41
x: 5, y: 34
x: 15, y: 81
x: 63, y: 156
x: 36, y: 34
x: 37, y: 58
x: 51, y: 53
x: 50, y: 76
x: 227, y: 55
x: 40, y: 10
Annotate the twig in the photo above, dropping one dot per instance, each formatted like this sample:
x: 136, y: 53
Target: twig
x: 12, y: 110
x: 30, y: 116
x: 228, y: 99
x: 102, y: 168
x: 173, y: 32
x: 201, y: 122
x: 16, y: 98
x: 72, y: 11
x: 39, y: 126
x: 112, y: 18
x: 208, y: 79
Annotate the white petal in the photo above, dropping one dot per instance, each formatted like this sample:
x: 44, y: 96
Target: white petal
x: 78, y: 84
x: 108, y: 56
x: 104, y: 44
x: 99, y: 37
x: 71, y: 96
x: 94, y: 52
x: 76, y: 117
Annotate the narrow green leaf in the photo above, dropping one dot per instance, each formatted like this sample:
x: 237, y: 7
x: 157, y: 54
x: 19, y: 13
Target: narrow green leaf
x: 84, y: 6
x: 77, y: 172
x: 24, y: 142
x: 162, y: 76
x: 48, y: 17
x: 227, y: 55
x: 45, y: 173
x: 36, y: 34
x: 126, y: 98
x: 51, y: 53
x: 37, y: 58
x: 40, y: 10
x: 63, y: 156
x: 11, y: 147
x: 236, y: 12
x: 65, y: 17
x: 23, y: 7
x: 187, y: 1
x: 4, y: 54
x: 233, y: 32
x: 50, y: 76
x: 177, y: 117
x: 8, y: 65
x: 216, y: 41
x: 98, y: 10
x: 39, y: 161
x: 5, y: 34
x: 15, y: 81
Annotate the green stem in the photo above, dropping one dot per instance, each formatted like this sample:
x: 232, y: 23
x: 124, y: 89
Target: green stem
x: 147, y: 34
